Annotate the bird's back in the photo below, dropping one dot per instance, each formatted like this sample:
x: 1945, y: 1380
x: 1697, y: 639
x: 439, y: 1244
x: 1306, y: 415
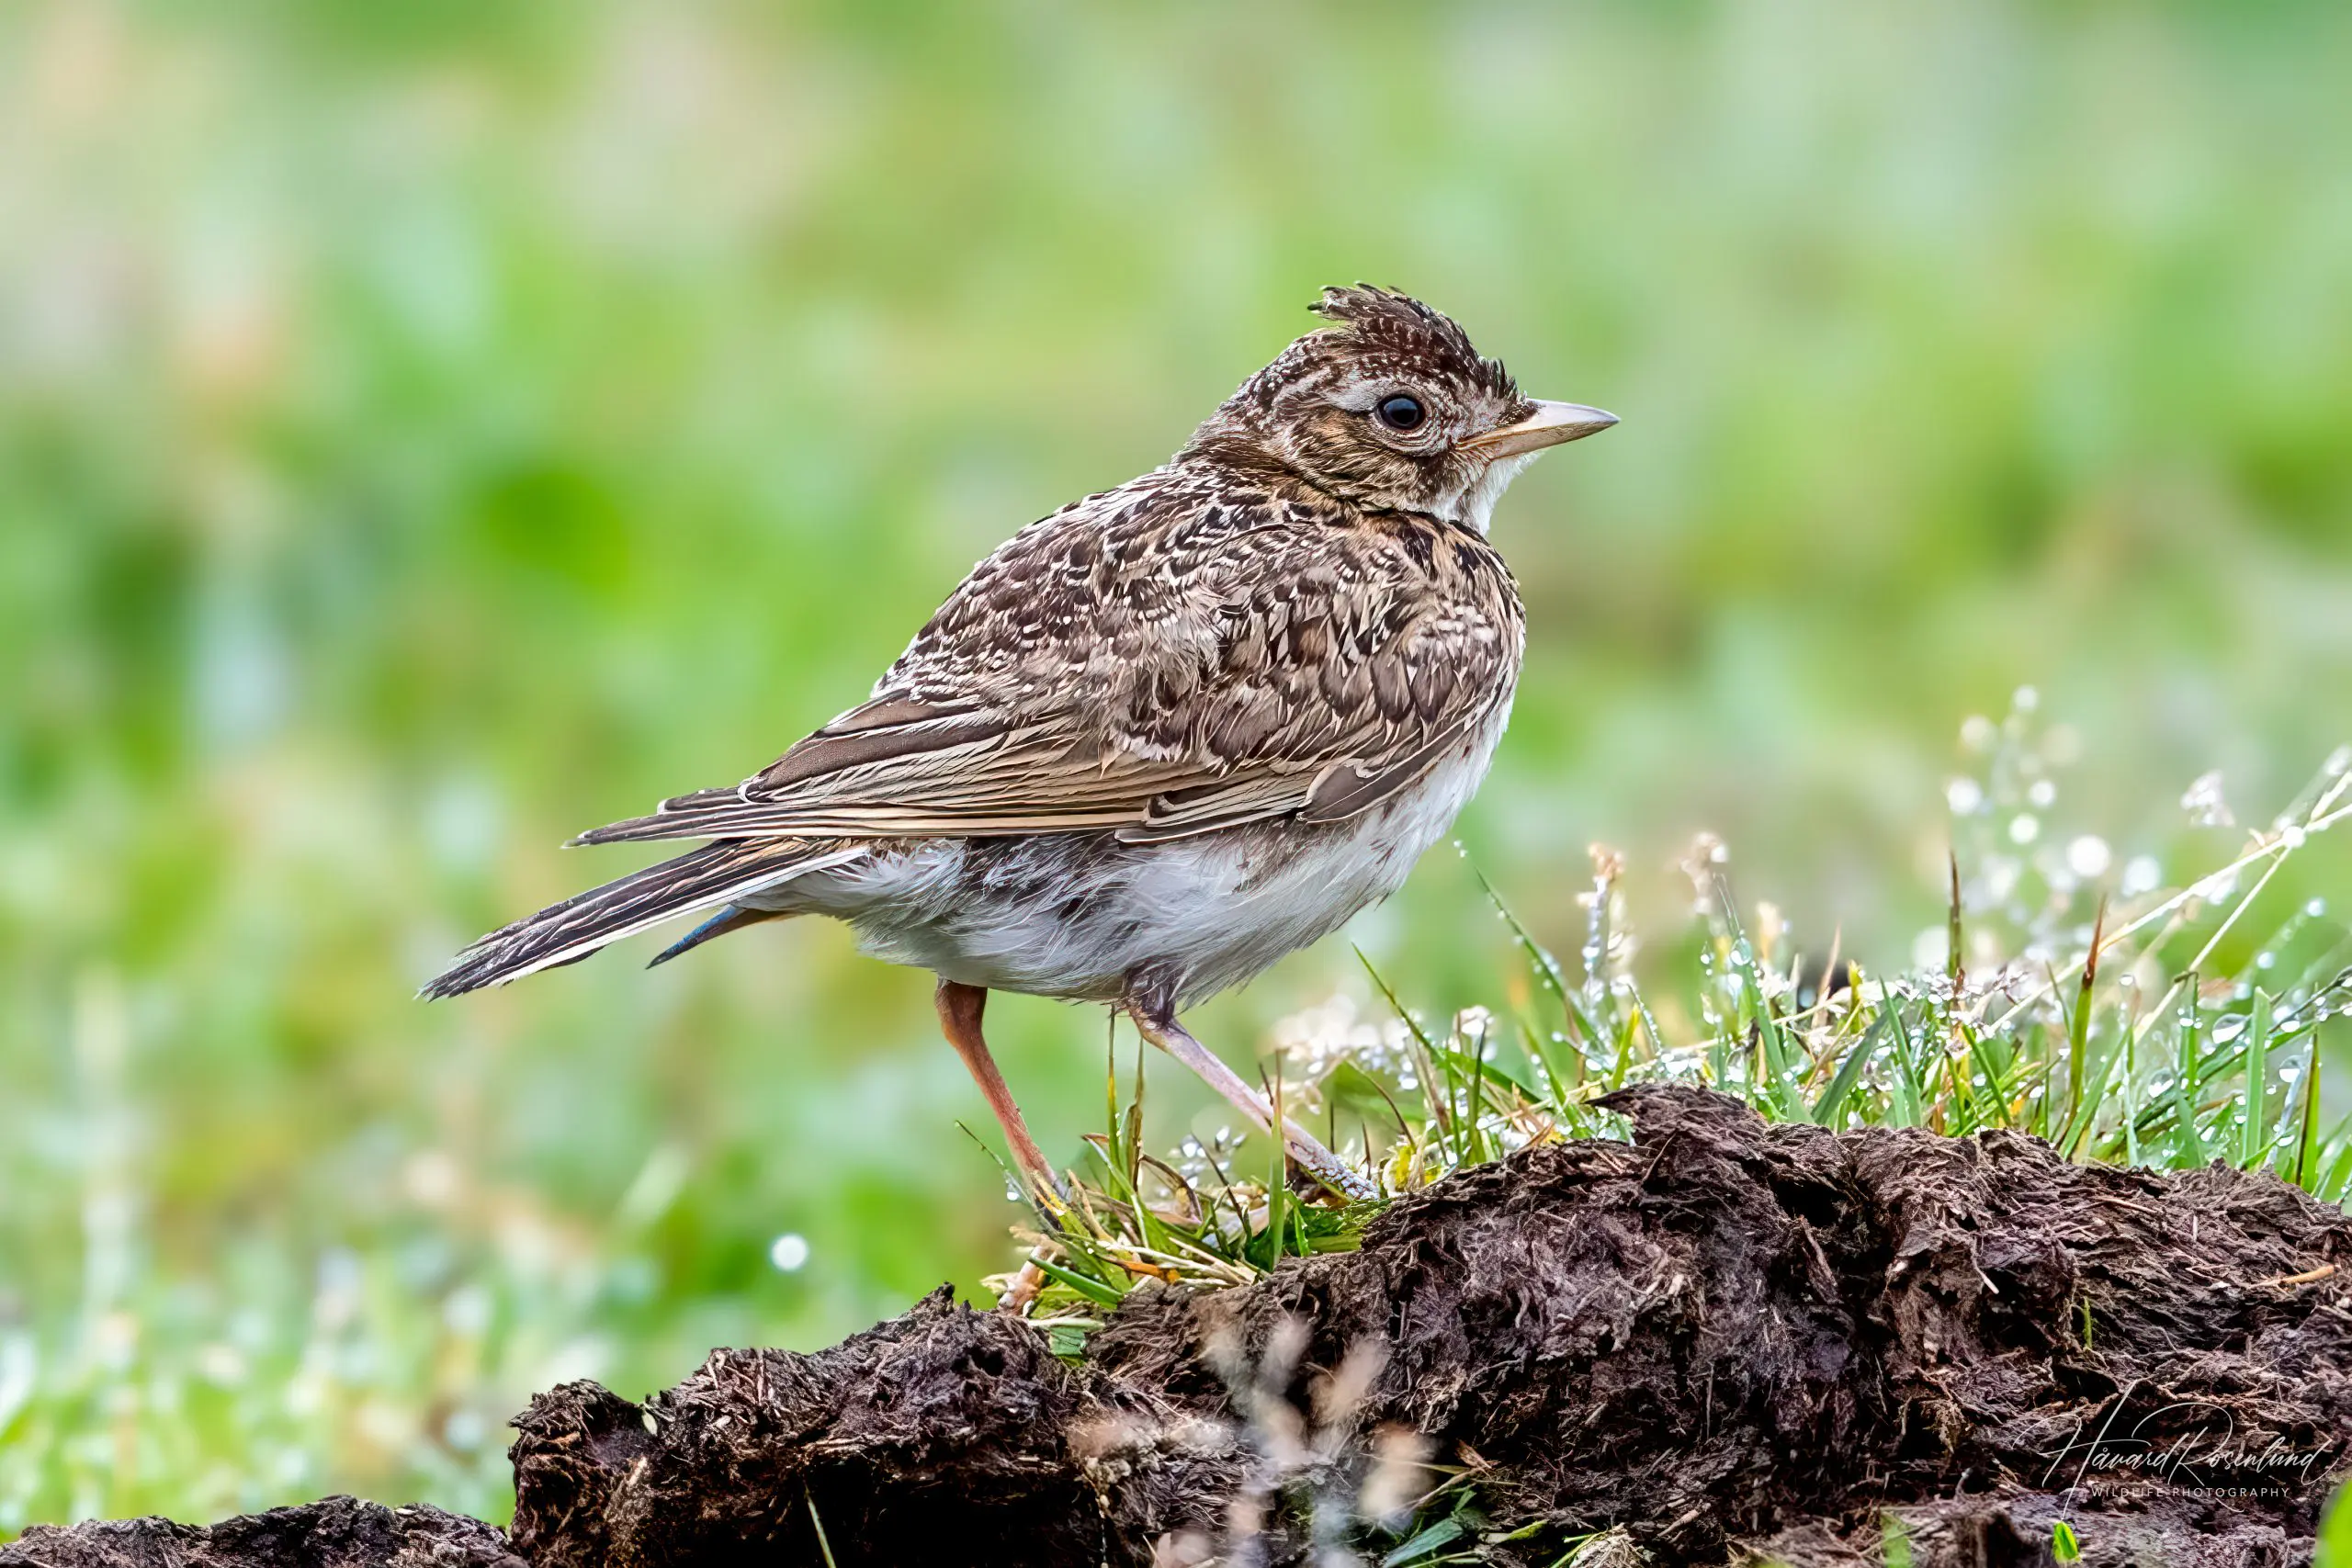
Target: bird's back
x: 1228, y: 617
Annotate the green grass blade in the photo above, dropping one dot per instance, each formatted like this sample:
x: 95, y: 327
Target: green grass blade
x: 816, y: 1520
x: 2078, y: 1024
x: 1426, y: 1544
x: 2254, y: 1129
x: 2186, y: 1137
x: 2336, y: 1184
x: 1092, y: 1290
x: 1832, y: 1104
x: 2307, y: 1144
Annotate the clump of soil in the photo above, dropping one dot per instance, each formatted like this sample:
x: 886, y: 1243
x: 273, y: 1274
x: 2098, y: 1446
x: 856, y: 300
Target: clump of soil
x: 1726, y: 1342
x: 335, y: 1532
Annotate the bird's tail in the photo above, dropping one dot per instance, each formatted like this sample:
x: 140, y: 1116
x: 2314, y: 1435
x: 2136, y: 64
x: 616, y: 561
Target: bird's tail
x: 568, y: 932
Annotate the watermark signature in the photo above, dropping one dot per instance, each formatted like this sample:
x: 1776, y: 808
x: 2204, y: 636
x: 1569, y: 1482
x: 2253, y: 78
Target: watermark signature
x: 2190, y: 1446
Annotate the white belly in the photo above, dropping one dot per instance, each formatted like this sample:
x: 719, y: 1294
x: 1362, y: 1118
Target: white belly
x: 1072, y: 915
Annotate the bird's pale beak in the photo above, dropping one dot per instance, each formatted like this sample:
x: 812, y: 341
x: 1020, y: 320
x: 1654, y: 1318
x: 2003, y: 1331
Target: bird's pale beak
x: 1550, y: 424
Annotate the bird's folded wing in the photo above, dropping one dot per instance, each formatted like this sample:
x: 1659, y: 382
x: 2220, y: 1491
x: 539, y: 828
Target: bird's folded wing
x: 941, y: 773
x: 1157, y: 671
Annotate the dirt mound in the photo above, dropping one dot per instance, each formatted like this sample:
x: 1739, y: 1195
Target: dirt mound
x: 335, y: 1532
x: 1725, y: 1341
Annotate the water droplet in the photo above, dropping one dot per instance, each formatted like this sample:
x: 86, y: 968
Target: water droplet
x: 2088, y: 856
x: 2316, y: 909
x: 2041, y: 795
x: 2293, y: 835
x: 2024, y: 827
x: 2221, y: 885
x: 1964, y: 797
x: 2265, y: 961
x: 789, y: 1252
x: 2205, y: 804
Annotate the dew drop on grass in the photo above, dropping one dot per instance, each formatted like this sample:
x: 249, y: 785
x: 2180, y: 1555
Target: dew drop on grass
x: 2024, y: 827
x: 2219, y: 885
x: 2088, y: 856
x: 2316, y: 908
x: 2205, y: 804
x: 789, y: 1252
x: 1965, y: 795
x: 2042, y: 795
x: 2265, y: 961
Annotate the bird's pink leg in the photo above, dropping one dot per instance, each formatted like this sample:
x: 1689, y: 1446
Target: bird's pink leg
x: 959, y: 1019
x: 1156, y: 1019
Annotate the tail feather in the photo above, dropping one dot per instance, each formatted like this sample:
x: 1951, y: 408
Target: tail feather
x: 567, y: 932
x: 732, y: 918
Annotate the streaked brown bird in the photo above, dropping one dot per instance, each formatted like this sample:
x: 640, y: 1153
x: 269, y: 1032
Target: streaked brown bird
x: 1161, y: 737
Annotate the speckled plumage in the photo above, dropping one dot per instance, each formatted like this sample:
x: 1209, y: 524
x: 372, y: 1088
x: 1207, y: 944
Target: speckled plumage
x: 1167, y: 734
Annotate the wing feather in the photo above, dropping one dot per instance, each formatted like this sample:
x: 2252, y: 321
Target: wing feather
x: 1158, y: 664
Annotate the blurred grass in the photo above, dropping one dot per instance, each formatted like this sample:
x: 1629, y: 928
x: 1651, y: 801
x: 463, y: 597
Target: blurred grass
x: 427, y: 431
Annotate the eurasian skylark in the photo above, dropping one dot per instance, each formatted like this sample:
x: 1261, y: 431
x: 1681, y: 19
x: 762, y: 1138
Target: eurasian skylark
x: 1161, y: 737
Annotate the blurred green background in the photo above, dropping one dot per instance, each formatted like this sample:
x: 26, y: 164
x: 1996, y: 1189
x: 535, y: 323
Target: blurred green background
x: 429, y: 429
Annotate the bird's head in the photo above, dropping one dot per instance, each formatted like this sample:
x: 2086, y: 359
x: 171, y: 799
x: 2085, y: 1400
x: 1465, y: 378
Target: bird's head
x: 1390, y: 407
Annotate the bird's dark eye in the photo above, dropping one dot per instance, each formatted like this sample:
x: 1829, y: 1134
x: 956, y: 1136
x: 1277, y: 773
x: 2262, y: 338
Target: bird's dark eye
x: 1400, y: 411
